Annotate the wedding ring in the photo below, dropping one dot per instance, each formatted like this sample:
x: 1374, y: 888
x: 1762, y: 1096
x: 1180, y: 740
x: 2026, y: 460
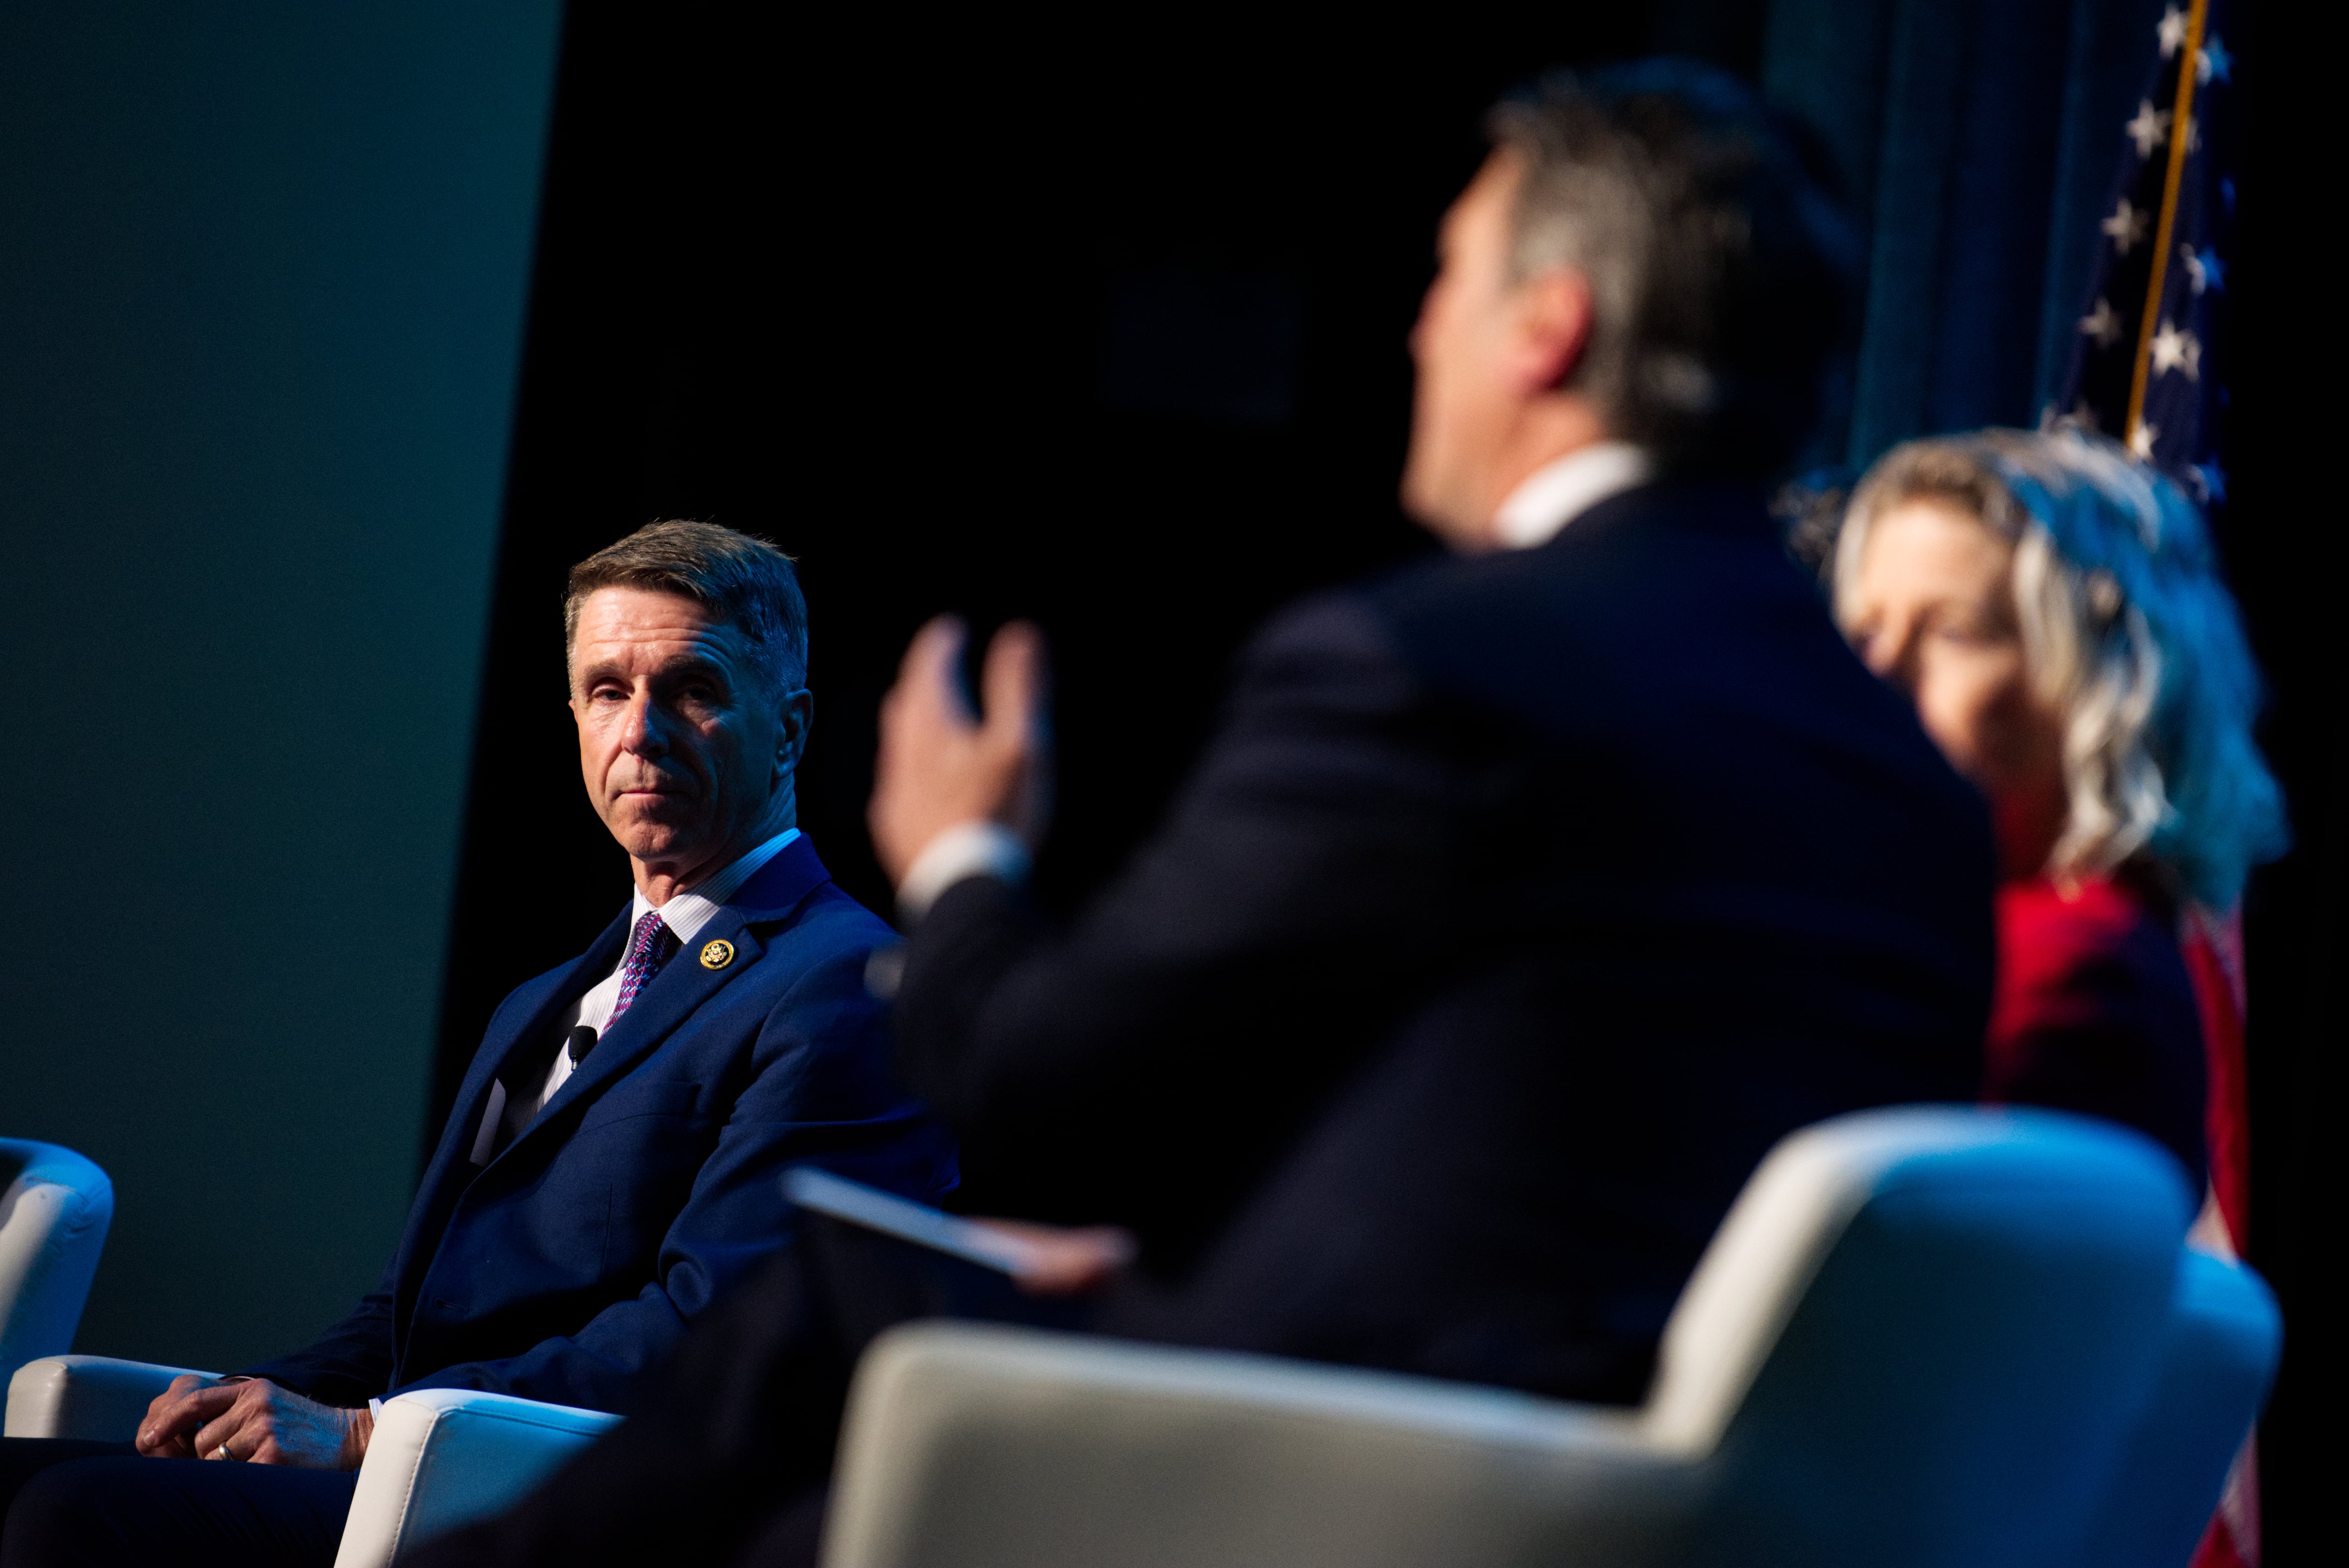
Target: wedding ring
x: 222, y: 1453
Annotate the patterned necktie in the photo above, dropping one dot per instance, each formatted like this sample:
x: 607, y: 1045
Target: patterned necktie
x: 651, y: 945
x: 649, y: 948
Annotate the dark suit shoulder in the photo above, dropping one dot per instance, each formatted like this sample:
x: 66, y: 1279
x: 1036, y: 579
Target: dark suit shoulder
x: 809, y: 980
x: 828, y: 922
x: 1657, y: 567
x: 1332, y: 644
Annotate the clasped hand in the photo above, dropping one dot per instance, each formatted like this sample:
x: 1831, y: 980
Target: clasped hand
x: 253, y: 1419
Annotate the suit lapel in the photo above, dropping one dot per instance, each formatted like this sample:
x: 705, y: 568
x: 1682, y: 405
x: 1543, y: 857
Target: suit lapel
x: 446, y: 1178
x: 499, y: 1049
x: 685, y: 982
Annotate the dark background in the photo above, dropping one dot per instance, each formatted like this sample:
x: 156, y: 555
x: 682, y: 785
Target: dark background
x: 1104, y: 326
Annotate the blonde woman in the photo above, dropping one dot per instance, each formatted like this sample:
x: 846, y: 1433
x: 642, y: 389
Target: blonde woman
x: 2056, y: 611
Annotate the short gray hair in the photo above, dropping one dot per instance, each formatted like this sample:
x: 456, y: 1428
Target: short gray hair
x: 1717, y: 266
x: 743, y: 581
x: 2127, y: 632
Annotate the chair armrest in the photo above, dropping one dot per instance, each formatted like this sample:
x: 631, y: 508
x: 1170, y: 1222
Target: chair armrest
x: 92, y: 1397
x: 979, y: 1445
x: 445, y: 1457
x: 55, y: 1207
x: 2225, y: 1337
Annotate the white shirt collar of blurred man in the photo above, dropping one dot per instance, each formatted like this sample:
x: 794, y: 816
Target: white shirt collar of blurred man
x: 1559, y: 491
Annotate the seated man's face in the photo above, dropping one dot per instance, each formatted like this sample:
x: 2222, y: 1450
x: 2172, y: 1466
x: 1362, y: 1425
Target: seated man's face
x: 683, y: 748
x: 1461, y: 408
x: 1494, y: 399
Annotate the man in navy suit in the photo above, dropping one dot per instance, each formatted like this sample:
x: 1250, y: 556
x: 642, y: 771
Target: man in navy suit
x: 612, y: 1166
x: 1522, y: 901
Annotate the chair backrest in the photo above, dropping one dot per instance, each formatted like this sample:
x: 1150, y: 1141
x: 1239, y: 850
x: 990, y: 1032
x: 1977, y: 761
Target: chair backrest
x: 2225, y: 1334
x: 1921, y: 1336
x: 55, y: 1207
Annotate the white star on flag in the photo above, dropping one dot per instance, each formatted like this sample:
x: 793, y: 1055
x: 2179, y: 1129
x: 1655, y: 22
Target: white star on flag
x: 2213, y: 61
x: 2126, y: 226
x: 2149, y: 129
x: 2193, y: 133
x: 2176, y: 350
x: 2171, y: 31
x: 2102, y: 324
x: 2202, y: 268
x: 2141, y: 439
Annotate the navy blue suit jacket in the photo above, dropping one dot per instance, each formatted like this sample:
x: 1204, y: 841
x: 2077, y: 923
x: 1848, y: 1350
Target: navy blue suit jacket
x: 568, y: 1267
x: 1520, y: 904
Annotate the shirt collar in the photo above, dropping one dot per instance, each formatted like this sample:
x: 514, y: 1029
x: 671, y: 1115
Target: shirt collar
x: 686, y: 913
x: 1558, y: 492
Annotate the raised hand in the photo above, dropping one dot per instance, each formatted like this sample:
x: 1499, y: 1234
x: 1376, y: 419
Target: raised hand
x: 941, y: 765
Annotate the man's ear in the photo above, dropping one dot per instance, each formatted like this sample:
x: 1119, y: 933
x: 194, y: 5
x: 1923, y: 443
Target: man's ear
x: 1554, y: 316
x: 797, y: 712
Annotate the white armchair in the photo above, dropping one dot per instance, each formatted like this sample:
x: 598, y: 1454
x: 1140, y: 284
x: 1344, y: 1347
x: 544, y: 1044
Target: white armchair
x: 1928, y: 1336
x: 1922, y: 1337
x: 440, y: 1456
x: 2224, y: 1337
x: 95, y: 1397
x: 55, y: 1207
x: 446, y: 1457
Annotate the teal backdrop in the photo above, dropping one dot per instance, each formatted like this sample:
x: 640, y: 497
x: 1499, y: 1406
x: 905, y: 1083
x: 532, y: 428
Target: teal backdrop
x: 262, y: 277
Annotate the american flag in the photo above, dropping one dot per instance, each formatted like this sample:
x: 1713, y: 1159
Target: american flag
x: 2147, y: 365
x: 2147, y: 361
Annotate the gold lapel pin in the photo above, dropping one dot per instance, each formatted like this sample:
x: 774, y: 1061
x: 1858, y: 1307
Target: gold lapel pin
x: 716, y: 954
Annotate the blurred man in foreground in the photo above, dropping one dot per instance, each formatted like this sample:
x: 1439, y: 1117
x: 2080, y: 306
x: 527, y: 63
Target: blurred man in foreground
x: 610, y: 1168
x: 1523, y: 900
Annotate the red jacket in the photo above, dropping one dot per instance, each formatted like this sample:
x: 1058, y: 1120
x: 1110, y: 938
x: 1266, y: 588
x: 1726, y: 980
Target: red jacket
x: 2095, y: 1011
